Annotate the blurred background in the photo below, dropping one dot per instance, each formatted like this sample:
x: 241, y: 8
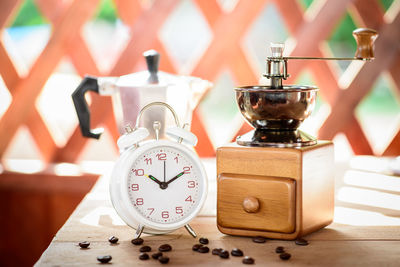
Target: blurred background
x: 47, y: 46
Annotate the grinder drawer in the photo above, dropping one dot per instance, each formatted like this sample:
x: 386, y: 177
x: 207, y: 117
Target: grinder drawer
x: 256, y: 202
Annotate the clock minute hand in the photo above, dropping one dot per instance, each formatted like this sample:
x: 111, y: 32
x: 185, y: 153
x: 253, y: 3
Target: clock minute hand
x: 164, y: 171
x: 176, y: 177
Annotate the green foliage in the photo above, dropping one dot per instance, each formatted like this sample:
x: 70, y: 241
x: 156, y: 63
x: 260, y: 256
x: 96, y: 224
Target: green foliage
x: 307, y: 3
x: 387, y: 3
x: 344, y: 32
x: 28, y: 15
x: 106, y: 11
x: 380, y: 100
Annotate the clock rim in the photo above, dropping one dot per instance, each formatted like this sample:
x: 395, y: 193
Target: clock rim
x: 120, y: 196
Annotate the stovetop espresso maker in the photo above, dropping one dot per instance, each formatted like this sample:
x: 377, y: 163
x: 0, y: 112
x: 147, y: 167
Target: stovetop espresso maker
x: 130, y: 93
x: 277, y: 181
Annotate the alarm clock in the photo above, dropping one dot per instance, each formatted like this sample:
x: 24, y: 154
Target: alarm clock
x: 158, y: 186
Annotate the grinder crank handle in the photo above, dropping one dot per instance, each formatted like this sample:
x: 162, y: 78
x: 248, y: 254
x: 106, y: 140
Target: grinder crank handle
x: 365, y: 39
x: 365, y: 47
x: 82, y: 109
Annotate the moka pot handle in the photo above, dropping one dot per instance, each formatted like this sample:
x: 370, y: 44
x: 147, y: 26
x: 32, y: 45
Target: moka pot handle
x: 82, y: 109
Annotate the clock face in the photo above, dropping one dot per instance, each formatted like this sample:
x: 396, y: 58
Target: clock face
x: 165, y: 185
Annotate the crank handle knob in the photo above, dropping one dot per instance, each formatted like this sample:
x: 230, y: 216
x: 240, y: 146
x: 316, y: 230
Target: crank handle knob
x: 365, y: 39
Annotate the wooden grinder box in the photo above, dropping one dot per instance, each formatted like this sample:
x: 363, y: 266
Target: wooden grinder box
x: 281, y: 193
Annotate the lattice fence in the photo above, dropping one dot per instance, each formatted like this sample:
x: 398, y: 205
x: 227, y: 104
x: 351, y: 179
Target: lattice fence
x: 308, y: 29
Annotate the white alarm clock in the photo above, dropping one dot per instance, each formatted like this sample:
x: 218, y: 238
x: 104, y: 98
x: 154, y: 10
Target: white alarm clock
x: 158, y: 186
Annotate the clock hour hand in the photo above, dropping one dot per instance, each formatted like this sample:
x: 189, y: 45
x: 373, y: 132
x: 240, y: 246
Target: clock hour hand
x: 176, y: 177
x: 153, y: 178
x: 163, y: 185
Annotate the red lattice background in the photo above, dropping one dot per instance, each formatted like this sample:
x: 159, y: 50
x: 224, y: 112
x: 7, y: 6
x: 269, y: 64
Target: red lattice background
x: 47, y: 197
x: 224, y: 52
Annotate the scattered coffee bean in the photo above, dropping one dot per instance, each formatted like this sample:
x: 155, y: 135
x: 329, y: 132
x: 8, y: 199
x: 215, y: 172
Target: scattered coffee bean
x: 248, y: 260
x: 224, y: 254
x: 259, y: 239
x: 165, y: 248
x: 137, y: 241
x: 145, y: 249
x: 143, y: 256
x: 279, y: 250
x: 84, y: 244
x: 216, y: 251
x: 113, y: 239
x: 163, y: 260
x: 203, y: 241
x: 284, y: 256
x: 236, y: 252
x: 196, y: 247
x: 156, y: 255
x: 203, y: 249
x: 301, y: 242
x: 104, y: 259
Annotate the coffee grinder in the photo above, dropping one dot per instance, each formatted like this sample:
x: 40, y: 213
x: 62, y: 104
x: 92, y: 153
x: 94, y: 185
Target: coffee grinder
x: 277, y: 181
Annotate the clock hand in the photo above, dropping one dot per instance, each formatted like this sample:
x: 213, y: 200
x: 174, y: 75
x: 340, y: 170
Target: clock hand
x: 164, y: 171
x: 163, y: 185
x: 176, y: 177
x: 153, y: 178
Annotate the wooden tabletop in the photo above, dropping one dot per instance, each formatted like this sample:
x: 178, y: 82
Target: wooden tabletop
x: 365, y: 232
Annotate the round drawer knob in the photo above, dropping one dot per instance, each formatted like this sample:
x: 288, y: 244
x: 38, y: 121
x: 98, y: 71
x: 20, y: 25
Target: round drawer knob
x: 251, y: 204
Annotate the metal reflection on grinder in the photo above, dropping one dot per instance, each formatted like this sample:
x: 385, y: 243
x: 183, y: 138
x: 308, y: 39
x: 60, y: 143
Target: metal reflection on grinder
x: 276, y: 114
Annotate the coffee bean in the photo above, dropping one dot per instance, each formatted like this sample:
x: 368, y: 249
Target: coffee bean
x: 259, y: 239
x: 165, y: 248
x: 137, y: 241
x: 145, y: 249
x: 113, y: 239
x: 284, y: 256
x: 216, y: 251
x: 301, y: 242
x: 203, y: 241
x: 104, y: 259
x: 163, y: 260
x: 248, y: 260
x: 224, y: 254
x: 279, y: 250
x: 84, y: 244
x: 156, y: 255
x: 236, y: 252
x: 143, y: 256
x: 196, y: 247
x: 203, y: 249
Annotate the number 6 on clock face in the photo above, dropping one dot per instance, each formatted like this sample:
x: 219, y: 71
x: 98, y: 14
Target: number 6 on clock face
x: 161, y: 185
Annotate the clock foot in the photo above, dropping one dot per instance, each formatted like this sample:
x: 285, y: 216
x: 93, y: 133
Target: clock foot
x: 190, y: 230
x: 139, y: 231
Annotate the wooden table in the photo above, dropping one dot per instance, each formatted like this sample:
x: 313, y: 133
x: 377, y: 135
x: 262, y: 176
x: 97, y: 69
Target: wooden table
x: 366, y: 231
